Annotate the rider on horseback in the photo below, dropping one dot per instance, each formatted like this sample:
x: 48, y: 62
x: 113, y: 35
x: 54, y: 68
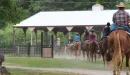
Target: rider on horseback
x: 121, y: 18
x: 106, y: 31
x: 86, y: 35
x: 77, y: 37
x: 70, y: 39
x: 85, y: 38
x: 92, y: 37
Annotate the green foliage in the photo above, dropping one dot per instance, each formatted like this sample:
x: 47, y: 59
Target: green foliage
x: 5, y: 34
x: 11, y: 13
x: 99, y: 1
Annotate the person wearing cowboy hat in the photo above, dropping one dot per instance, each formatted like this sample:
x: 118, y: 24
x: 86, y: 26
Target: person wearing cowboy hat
x: 86, y: 34
x: 92, y: 35
x: 121, y: 18
x: 77, y: 37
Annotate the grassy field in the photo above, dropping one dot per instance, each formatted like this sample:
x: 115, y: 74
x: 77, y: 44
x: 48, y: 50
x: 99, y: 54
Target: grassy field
x: 52, y: 63
x: 32, y: 72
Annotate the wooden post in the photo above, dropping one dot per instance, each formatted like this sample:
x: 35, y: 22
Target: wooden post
x: 14, y: 36
x: 31, y: 29
x: 24, y: 30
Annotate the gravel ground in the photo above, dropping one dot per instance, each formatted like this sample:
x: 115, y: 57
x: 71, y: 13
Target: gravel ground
x: 81, y: 71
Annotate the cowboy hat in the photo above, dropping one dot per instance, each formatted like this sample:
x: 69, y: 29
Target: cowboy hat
x: 120, y: 5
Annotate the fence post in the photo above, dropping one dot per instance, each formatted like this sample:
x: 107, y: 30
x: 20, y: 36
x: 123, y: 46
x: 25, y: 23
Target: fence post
x: 41, y: 43
x: 52, y: 45
x: 29, y: 45
x: 18, y: 50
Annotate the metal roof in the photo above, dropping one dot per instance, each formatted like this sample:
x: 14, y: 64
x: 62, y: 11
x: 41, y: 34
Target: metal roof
x: 68, y: 18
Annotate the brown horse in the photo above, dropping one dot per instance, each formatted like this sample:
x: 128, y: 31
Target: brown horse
x: 77, y: 49
x: 70, y: 49
x: 85, y: 48
x: 93, y: 49
x: 118, y: 46
x: 103, y: 45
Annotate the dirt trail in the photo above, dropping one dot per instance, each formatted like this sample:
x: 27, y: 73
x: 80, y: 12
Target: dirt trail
x: 81, y: 71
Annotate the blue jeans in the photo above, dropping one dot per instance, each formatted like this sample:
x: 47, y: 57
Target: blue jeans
x: 113, y: 26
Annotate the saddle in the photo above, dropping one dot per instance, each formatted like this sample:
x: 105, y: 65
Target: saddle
x: 122, y: 28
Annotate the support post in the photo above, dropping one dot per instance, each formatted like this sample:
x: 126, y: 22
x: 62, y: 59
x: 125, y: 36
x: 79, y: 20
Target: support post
x: 31, y: 38
x: 36, y: 35
x: 31, y: 29
x: 24, y: 30
x: 14, y: 36
x: 29, y: 47
x: 41, y: 44
x: 52, y: 45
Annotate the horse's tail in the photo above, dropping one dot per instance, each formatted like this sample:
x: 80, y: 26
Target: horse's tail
x: 117, y: 56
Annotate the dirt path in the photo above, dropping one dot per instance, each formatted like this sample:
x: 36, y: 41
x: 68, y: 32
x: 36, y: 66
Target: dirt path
x: 81, y: 71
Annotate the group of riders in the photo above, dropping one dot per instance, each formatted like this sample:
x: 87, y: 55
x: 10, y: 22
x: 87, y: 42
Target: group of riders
x: 87, y: 36
x: 121, y: 18
x: 117, y: 35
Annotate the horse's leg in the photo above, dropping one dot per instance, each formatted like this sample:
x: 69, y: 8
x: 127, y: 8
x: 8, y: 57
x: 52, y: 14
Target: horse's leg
x: 114, y: 70
x: 92, y: 57
x: 89, y: 55
x: 87, y: 52
x: 83, y: 54
x: 75, y: 54
x: 122, y: 62
x: 78, y: 54
x: 95, y: 57
x: 127, y: 64
x: 103, y: 56
x: 119, y: 67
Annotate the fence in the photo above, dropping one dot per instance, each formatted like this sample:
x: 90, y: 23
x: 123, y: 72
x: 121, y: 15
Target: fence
x: 22, y: 50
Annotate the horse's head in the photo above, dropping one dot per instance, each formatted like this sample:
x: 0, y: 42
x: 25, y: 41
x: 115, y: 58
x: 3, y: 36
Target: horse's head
x: 108, y: 57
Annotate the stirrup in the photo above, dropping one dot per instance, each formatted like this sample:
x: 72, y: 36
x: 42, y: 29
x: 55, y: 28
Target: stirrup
x: 128, y: 33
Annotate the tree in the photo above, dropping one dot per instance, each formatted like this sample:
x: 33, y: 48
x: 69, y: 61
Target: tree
x: 11, y: 13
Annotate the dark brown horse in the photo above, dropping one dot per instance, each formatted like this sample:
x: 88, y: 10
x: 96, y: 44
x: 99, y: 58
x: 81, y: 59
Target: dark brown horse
x: 103, y: 45
x: 93, y: 49
x: 77, y: 49
x: 118, y: 46
x: 85, y: 49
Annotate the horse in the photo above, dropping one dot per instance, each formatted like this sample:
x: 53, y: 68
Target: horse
x: 103, y: 46
x: 70, y: 49
x: 77, y: 49
x: 58, y: 49
x: 118, y: 46
x: 85, y: 48
x: 93, y: 49
x: 1, y: 59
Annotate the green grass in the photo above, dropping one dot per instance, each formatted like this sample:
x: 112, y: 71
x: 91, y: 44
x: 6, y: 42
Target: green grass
x: 32, y: 72
x: 52, y: 63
